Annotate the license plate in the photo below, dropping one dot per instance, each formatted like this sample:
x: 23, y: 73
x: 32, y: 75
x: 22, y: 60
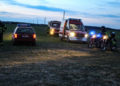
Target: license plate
x: 25, y: 36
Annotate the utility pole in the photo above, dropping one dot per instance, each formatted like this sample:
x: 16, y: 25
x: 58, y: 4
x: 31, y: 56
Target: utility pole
x: 63, y: 15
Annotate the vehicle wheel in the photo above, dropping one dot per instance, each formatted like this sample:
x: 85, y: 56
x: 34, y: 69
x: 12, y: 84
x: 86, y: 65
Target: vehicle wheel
x: 113, y: 48
x: 68, y: 40
x: 14, y: 43
x: 34, y: 43
x: 103, y: 47
x: 97, y: 45
x: 61, y: 38
x: 90, y: 45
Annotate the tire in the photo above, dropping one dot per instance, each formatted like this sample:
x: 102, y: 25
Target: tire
x: 97, y: 44
x: 15, y: 43
x: 90, y: 44
x: 61, y: 38
x: 113, y: 48
x: 68, y: 40
x: 103, y: 46
x: 34, y: 43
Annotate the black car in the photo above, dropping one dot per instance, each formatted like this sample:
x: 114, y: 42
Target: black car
x: 24, y: 33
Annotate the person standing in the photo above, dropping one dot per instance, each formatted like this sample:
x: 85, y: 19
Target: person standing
x: 2, y: 29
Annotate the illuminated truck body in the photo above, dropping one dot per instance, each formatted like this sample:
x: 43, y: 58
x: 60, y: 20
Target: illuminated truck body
x: 73, y: 30
x: 54, y: 27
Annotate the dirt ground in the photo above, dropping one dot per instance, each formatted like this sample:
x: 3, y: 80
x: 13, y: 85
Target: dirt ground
x: 59, y: 64
x: 56, y: 63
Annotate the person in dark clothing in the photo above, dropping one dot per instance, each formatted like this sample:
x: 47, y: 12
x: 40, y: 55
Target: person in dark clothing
x: 103, y: 30
x: 112, y: 38
x: 2, y: 29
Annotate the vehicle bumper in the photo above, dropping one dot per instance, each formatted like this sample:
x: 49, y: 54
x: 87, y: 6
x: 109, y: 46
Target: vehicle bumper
x: 76, y: 39
x: 24, y: 40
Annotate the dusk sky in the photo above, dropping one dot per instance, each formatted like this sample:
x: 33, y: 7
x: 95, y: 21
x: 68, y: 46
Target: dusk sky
x: 92, y: 12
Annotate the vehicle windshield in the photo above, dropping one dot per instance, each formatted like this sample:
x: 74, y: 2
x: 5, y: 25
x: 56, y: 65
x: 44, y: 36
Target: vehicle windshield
x: 25, y: 30
x: 56, y: 25
x: 76, y: 27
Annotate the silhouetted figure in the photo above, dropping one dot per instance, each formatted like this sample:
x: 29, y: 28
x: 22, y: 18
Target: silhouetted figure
x: 2, y: 29
x: 103, y: 30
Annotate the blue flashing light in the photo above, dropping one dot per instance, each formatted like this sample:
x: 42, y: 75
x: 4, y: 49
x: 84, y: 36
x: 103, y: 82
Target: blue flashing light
x: 99, y: 35
x: 23, y: 25
x: 92, y: 32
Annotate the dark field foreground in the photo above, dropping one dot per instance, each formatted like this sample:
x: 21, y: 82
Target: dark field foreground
x: 55, y: 63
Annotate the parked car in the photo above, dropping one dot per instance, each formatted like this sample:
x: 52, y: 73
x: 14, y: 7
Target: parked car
x: 54, y: 27
x: 73, y: 30
x: 24, y: 33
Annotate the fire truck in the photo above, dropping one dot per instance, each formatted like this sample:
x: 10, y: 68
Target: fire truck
x: 54, y: 27
x: 73, y: 30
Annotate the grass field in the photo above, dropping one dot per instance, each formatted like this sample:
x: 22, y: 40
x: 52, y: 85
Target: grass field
x: 55, y: 63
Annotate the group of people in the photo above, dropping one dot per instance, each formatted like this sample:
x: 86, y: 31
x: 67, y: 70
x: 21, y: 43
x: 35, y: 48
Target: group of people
x: 2, y: 30
x: 103, y: 40
x: 104, y: 32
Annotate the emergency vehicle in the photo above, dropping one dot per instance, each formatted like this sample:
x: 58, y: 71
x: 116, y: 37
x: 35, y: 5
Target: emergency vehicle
x: 24, y: 33
x: 73, y: 30
x: 54, y: 27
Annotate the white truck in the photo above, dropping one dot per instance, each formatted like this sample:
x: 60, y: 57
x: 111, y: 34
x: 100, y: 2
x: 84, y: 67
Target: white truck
x: 54, y: 27
x: 73, y: 30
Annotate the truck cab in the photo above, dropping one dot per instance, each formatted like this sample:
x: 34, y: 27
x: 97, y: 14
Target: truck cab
x: 54, y: 27
x: 73, y: 30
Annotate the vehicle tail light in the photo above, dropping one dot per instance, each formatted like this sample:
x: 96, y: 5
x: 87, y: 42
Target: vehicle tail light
x: 15, y: 35
x: 34, y: 36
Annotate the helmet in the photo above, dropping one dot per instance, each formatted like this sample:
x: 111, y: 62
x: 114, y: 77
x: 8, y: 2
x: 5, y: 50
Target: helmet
x: 103, y: 29
x: 112, y: 34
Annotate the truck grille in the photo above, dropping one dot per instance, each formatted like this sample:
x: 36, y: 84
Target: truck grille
x: 80, y: 35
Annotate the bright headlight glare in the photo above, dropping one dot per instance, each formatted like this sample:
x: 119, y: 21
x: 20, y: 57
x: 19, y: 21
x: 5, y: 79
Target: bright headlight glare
x: 72, y: 34
x: 86, y: 35
x: 105, y: 37
x: 94, y: 36
x: 52, y: 32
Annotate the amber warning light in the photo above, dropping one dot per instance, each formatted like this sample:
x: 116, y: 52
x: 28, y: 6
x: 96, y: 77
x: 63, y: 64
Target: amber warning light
x: 15, y: 35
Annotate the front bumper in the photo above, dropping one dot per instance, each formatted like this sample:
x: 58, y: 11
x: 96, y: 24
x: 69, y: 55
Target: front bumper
x: 77, y: 39
x: 24, y: 40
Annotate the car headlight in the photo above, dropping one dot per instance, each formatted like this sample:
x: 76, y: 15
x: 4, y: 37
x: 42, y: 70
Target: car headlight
x: 105, y: 37
x: 72, y: 34
x: 94, y: 36
x: 86, y: 35
x: 52, y: 31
